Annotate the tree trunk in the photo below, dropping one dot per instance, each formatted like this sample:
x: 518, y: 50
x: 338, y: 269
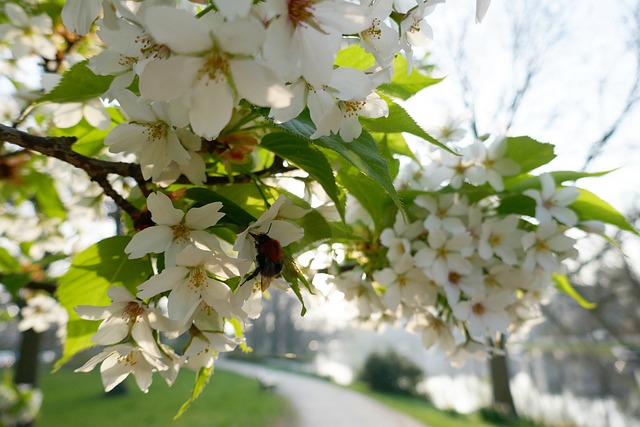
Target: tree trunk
x: 27, y: 366
x: 499, y: 369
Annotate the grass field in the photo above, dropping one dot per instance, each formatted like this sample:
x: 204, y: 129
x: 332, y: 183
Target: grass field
x: 78, y: 400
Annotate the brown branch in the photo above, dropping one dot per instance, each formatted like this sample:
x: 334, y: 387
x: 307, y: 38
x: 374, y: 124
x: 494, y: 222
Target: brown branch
x: 98, y: 170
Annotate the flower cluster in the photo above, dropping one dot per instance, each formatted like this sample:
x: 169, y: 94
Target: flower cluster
x: 457, y: 267
x: 198, y: 293
x: 197, y: 68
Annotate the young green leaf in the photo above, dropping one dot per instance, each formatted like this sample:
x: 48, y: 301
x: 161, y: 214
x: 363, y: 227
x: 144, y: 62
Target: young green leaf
x: 355, y: 57
x: 202, y: 378
x: 529, y: 153
x: 399, y: 121
x: 588, y: 206
x: 403, y: 84
x: 563, y: 284
x: 78, y: 84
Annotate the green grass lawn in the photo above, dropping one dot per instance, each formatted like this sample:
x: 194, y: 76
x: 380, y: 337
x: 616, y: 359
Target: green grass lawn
x: 422, y: 410
x: 229, y: 400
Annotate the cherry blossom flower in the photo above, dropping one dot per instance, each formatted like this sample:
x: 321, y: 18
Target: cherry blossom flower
x: 380, y: 39
x: 190, y: 284
x: 174, y: 230
x: 398, y: 239
x: 491, y: 164
x: 41, y: 313
x: 212, y: 83
x: 545, y: 246
x: 150, y: 133
x: 435, y: 330
x: 405, y: 284
x: 335, y: 106
x: 303, y: 36
x: 127, y: 317
x: 485, y: 312
x: 355, y: 288
x: 27, y: 35
x: 500, y: 237
x: 445, y: 253
x: 121, y: 360
x: 552, y: 202
x: 70, y: 114
x: 445, y: 212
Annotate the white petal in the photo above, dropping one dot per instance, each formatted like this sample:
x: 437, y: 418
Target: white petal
x: 97, y: 116
x: 168, y: 279
x: 318, y: 51
x: 178, y: 29
x: 233, y: 9
x: 351, y: 84
x: 150, y: 240
x: 126, y: 137
x: 67, y: 115
x: 78, y: 15
x: 204, y: 217
x: 111, y: 331
x: 258, y: 84
x: 183, y: 303
x: 162, y: 210
x: 169, y: 79
x: 211, y: 107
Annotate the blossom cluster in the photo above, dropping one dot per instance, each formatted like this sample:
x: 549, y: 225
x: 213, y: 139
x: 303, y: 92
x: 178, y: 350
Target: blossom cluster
x: 197, y: 68
x: 455, y: 267
x: 198, y: 293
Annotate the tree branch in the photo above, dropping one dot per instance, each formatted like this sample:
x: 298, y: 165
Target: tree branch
x: 98, y: 170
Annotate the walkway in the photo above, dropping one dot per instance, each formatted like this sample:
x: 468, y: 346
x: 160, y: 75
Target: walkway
x: 323, y: 404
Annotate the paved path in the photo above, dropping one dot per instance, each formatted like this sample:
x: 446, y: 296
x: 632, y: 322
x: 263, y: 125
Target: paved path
x: 322, y: 404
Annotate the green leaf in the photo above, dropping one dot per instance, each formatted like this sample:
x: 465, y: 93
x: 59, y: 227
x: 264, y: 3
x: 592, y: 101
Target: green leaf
x: 374, y: 200
x: 403, y: 84
x: 362, y: 152
x: 563, y: 284
x: 588, y: 206
x: 355, y: 56
x: 92, y: 272
x: 8, y: 263
x: 301, y: 153
x: 202, y: 378
x: 399, y: 121
x: 46, y: 196
x: 394, y: 143
x: 13, y: 282
x: 523, y: 182
x: 529, y: 153
x: 79, y: 84
x: 517, y: 204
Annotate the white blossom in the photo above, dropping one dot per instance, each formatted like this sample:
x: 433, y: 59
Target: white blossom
x: 552, y: 202
x: 174, y: 230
